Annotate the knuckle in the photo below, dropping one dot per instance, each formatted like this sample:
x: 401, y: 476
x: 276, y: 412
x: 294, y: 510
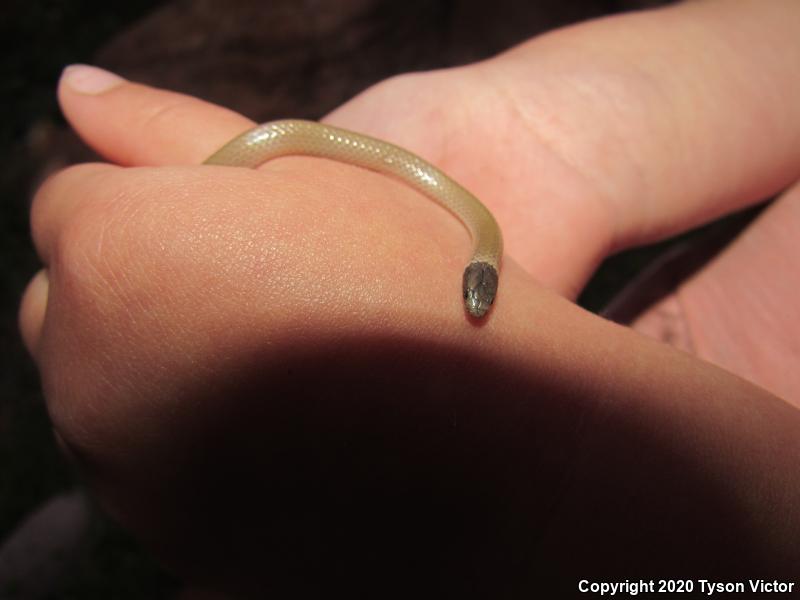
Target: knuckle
x: 66, y: 179
x: 50, y: 190
x: 90, y: 245
x: 54, y: 201
x: 110, y: 248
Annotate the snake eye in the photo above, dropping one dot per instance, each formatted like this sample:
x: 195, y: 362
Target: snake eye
x: 480, y: 287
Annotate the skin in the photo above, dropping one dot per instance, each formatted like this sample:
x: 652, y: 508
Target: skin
x: 292, y: 137
x: 224, y: 360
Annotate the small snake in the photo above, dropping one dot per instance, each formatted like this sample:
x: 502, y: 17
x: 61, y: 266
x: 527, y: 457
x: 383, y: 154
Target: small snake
x: 294, y: 137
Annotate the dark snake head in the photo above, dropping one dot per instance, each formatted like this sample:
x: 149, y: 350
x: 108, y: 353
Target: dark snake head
x: 480, y: 287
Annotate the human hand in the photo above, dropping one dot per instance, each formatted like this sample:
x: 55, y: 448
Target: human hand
x: 579, y: 157
x: 198, y: 332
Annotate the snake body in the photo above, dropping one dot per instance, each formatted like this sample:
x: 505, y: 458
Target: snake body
x: 297, y: 137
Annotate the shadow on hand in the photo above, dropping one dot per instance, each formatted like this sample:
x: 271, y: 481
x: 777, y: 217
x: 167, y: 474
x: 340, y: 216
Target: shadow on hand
x: 383, y: 467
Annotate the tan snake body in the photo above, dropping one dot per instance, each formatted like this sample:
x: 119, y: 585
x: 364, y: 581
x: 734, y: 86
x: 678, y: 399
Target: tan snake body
x: 297, y: 137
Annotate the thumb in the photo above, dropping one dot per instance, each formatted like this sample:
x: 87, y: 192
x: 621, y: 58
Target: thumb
x: 132, y: 124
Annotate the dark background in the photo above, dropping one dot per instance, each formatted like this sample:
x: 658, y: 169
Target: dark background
x: 268, y: 60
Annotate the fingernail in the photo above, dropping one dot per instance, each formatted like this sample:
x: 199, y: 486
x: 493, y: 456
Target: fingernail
x: 86, y: 79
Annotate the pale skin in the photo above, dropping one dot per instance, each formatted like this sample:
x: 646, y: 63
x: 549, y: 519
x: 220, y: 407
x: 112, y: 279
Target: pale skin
x: 279, y: 359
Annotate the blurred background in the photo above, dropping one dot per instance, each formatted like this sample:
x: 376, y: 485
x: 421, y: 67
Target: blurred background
x: 266, y: 59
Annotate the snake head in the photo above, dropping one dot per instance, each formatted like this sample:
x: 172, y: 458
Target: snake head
x: 480, y: 287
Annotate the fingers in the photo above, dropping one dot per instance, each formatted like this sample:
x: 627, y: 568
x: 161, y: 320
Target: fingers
x: 59, y: 198
x: 32, y: 309
x: 129, y: 124
x: 55, y: 205
x: 740, y: 311
x: 675, y: 116
x: 133, y: 124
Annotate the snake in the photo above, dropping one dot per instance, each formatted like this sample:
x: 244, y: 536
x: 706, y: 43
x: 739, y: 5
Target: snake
x: 309, y: 138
